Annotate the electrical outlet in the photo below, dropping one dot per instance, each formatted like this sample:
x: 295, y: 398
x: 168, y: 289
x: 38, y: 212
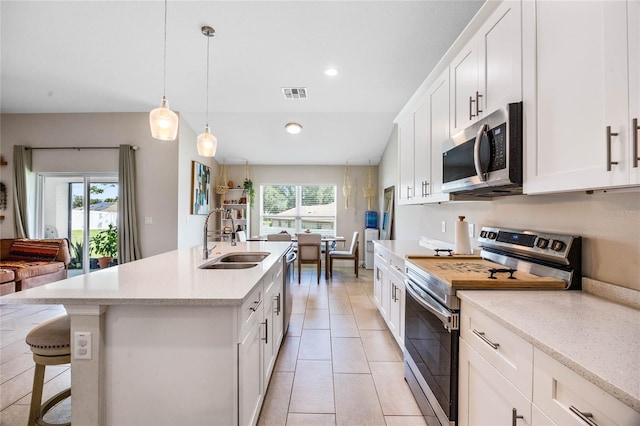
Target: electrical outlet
x: 472, y: 231
x: 444, y: 226
x: 82, y: 345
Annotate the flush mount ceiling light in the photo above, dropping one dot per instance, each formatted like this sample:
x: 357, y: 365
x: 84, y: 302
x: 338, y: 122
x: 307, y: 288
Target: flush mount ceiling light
x: 331, y: 72
x: 293, y: 128
x: 207, y: 143
x: 163, y: 121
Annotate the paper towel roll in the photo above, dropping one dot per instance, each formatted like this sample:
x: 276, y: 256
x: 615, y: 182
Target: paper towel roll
x: 463, y: 245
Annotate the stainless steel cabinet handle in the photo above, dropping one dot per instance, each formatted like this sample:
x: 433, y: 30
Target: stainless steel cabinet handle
x: 609, y: 162
x: 266, y: 330
x: 393, y: 292
x: 471, y: 102
x: 377, y: 273
x: 277, y: 300
x: 515, y: 417
x: 585, y: 417
x: 481, y: 335
x: 255, y: 306
x: 478, y: 96
x: 408, y: 189
x: 634, y: 141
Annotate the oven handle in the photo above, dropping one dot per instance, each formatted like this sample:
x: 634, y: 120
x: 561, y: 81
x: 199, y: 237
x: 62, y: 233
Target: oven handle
x: 449, y: 319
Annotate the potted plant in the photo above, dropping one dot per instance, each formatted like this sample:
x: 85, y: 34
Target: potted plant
x: 105, y: 243
x: 248, y: 189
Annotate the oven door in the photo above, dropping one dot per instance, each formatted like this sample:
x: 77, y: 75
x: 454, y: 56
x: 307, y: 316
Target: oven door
x: 431, y: 354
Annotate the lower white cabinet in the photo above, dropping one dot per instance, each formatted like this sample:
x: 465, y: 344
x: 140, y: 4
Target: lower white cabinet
x: 395, y: 319
x: 261, y: 334
x: 389, y: 290
x: 485, y: 396
x: 499, y: 372
x: 250, y: 378
x: 569, y: 399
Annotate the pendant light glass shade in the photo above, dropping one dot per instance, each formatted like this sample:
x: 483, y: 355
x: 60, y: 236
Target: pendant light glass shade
x: 163, y: 122
x: 207, y: 143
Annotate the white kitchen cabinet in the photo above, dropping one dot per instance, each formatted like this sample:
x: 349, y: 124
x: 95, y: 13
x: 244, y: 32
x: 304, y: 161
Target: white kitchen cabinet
x: 487, y: 73
x: 420, y: 146
x: 406, y: 160
x: 581, y: 90
x: 495, y: 375
x: 251, y: 386
x: 395, y: 319
x: 565, y: 397
x: 486, y: 397
x: 381, y: 280
x: 273, y: 320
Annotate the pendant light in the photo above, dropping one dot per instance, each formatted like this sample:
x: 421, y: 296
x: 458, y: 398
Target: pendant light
x: 207, y: 143
x: 163, y: 121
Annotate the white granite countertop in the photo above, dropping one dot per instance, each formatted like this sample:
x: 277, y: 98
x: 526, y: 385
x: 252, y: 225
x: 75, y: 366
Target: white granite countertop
x: 403, y: 248
x: 596, y: 338
x: 171, y: 278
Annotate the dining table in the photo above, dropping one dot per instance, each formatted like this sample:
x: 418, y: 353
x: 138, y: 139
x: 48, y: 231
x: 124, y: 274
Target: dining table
x: 325, y: 239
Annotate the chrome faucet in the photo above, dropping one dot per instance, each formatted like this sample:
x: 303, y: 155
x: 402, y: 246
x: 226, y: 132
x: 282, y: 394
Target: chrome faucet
x: 206, y: 252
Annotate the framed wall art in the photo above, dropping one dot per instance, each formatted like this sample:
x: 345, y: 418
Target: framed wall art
x: 200, y: 188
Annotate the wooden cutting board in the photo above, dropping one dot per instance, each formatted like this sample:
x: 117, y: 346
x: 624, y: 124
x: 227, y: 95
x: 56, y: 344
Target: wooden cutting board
x: 468, y: 272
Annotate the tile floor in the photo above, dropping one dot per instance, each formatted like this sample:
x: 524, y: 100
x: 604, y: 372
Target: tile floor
x: 338, y: 365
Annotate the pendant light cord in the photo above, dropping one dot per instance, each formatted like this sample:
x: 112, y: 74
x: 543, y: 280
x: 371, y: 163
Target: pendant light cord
x: 164, y: 62
x: 207, y: 117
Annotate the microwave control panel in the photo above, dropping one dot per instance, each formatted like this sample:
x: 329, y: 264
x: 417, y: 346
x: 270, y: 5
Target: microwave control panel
x: 498, y: 138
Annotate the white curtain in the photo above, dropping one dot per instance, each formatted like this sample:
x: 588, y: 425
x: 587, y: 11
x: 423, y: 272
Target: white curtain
x: 128, y: 245
x: 21, y: 165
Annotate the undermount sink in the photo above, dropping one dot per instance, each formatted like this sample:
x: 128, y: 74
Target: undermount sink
x: 244, y: 257
x: 228, y: 265
x: 238, y: 260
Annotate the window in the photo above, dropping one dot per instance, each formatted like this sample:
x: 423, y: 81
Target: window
x: 296, y: 208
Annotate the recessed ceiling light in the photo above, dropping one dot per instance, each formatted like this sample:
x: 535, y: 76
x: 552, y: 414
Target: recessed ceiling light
x: 331, y: 72
x: 293, y: 128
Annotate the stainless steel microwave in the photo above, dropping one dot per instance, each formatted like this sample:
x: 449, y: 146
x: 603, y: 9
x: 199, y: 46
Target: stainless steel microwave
x: 485, y: 159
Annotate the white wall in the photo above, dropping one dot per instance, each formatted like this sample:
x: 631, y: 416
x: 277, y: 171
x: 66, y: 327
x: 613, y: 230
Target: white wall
x: 157, y: 163
x: 190, y: 227
x: 348, y: 220
x: 608, y: 222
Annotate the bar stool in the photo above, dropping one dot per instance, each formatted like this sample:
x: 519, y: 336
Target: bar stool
x: 50, y: 343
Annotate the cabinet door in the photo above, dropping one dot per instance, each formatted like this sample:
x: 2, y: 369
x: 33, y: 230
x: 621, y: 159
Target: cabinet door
x: 377, y: 284
x: 406, y: 160
x: 580, y: 86
x: 396, y: 308
x: 439, y: 132
x: 500, y: 60
x: 250, y: 378
x: 385, y: 293
x: 422, y: 151
x: 278, y: 320
x: 633, y: 8
x: 267, y: 338
x: 485, y: 396
x: 464, y: 71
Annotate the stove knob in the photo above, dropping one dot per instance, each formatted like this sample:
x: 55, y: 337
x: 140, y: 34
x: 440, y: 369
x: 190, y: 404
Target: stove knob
x: 483, y: 234
x: 557, y: 245
x: 542, y: 243
x: 492, y: 235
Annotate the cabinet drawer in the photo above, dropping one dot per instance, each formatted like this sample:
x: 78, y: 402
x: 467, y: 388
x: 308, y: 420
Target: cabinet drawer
x: 396, y: 264
x: 381, y: 254
x: 508, y: 353
x: 556, y: 389
x: 247, y: 313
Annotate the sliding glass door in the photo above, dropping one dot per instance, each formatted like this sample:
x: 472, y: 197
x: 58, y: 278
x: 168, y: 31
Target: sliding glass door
x: 84, y: 209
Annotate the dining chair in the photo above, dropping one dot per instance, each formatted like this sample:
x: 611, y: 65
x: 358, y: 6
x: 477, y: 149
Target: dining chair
x: 279, y: 237
x: 352, y: 253
x: 309, y: 251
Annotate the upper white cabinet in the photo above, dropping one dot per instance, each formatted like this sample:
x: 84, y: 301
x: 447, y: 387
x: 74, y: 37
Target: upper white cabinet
x: 420, y: 137
x: 487, y: 73
x: 581, y: 94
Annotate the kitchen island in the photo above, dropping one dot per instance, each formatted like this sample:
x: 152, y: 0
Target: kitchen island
x: 171, y: 343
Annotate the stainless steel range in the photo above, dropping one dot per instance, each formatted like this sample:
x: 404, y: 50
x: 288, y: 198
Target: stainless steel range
x: 509, y: 259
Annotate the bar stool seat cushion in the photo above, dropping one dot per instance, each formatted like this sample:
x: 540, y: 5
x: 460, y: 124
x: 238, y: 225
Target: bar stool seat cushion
x: 51, y: 338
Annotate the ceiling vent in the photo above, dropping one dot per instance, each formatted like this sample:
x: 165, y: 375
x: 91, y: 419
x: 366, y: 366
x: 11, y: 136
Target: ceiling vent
x: 294, y: 92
